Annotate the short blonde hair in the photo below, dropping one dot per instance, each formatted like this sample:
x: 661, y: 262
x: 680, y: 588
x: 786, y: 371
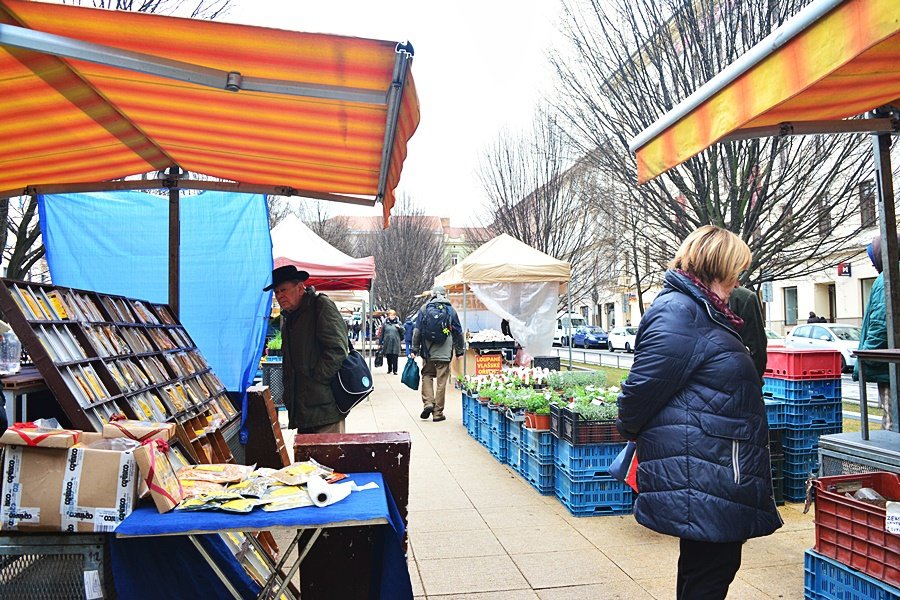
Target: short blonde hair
x: 712, y: 254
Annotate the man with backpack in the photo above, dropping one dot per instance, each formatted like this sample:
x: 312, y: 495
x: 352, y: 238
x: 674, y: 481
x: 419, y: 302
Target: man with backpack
x: 436, y: 337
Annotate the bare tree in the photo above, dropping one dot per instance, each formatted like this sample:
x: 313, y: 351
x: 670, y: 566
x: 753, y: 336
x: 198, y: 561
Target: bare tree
x: 195, y: 9
x: 21, y: 238
x: 629, y: 61
x: 408, y: 255
x: 541, y: 193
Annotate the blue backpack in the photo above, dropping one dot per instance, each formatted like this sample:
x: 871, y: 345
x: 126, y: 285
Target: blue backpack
x: 436, y: 322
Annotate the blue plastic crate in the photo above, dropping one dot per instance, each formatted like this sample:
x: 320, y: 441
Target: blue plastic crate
x: 805, y: 439
x: 483, y: 412
x: 827, y: 579
x: 465, y: 409
x: 497, y: 418
x: 498, y: 445
x: 540, y: 476
x: 514, y: 431
x: 584, y: 463
x: 828, y: 413
x: 539, y: 444
x: 602, y: 496
x: 795, y: 488
x: 484, y: 434
x: 802, y: 391
x: 775, y: 413
x: 801, y: 463
x: 515, y: 456
x: 473, y: 427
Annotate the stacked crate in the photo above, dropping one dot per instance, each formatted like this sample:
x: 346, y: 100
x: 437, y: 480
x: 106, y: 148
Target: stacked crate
x: 536, y: 453
x: 803, y: 388
x: 584, y: 452
x: 856, y: 556
x: 497, y: 442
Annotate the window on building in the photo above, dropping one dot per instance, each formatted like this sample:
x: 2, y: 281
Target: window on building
x: 867, y: 203
x: 865, y: 286
x: 823, y: 214
x: 454, y: 258
x: 790, y: 306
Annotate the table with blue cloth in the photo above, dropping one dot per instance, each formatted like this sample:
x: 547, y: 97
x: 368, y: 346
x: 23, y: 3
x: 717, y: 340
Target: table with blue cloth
x: 179, y: 554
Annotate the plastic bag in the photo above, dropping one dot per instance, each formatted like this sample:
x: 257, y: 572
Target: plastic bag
x: 410, y: 377
x: 624, y: 466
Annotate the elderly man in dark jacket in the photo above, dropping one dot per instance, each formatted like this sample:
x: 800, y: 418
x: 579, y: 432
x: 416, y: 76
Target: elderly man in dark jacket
x: 314, y: 345
x: 694, y: 404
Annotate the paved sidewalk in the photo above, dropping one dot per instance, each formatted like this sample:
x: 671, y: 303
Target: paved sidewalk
x: 478, y: 531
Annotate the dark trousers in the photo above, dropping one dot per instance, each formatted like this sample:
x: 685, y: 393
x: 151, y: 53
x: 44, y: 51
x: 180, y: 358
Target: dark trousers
x: 392, y: 362
x: 706, y: 569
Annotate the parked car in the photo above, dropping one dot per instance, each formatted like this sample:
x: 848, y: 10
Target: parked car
x: 827, y: 336
x: 622, y: 338
x: 566, y: 324
x: 773, y: 338
x: 590, y: 337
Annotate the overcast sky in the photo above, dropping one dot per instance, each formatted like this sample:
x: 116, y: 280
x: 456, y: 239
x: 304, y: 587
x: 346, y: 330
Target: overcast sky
x: 479, y: 67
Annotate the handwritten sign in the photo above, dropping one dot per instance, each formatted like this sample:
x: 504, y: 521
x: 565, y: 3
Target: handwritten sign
x: 486, y: 364
x: 892, y: 518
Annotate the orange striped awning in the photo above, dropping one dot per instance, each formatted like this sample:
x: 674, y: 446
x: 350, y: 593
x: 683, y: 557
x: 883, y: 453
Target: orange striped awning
x: 839, y: 62
x: 67, y: 118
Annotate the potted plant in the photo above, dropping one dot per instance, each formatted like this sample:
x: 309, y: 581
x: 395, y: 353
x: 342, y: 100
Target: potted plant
x: 273, y: 346
x: 537, y: 411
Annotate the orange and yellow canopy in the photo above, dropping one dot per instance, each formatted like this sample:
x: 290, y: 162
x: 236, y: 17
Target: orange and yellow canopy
x: 68, y: 120
x: 842, y: 63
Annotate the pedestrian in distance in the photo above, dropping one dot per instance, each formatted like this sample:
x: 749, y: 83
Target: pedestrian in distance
x: 693, y: 403
x: 314, y: 345
x: 408, y: 328
x: 813, y: 318
x: 389, y: 340
x: 437, y: 337
x: 873, y: 335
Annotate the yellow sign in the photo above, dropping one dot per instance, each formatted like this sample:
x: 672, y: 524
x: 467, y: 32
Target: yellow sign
x: 487, y: 364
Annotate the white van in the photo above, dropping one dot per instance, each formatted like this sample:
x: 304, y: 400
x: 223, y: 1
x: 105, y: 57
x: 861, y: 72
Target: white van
x: 564, y: 321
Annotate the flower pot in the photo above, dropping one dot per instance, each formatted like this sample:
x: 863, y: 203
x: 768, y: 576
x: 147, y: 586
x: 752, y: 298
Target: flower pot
x: 536, y: 421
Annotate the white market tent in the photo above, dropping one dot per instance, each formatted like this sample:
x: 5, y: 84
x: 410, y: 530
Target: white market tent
x: 517, y: 283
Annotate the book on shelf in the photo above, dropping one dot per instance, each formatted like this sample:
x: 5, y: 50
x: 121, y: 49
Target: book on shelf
x: 93, y: 380
x: 143, y: 314
x: 26, y: 303
x: 39, y: 306
x: 157, y: 405
x: 71, y: 344
x: 58, y: 303
x: 42, y: 338
x: 59, y: 349
x: 123, y: 310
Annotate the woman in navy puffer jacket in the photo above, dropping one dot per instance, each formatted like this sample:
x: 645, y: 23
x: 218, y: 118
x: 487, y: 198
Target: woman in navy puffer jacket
x: 694, y: 404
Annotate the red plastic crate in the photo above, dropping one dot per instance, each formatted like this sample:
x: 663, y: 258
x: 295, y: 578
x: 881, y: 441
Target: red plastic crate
x: 852, y: 532
x: 792, y: 364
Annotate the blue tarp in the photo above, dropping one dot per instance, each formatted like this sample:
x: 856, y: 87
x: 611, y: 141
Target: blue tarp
x: 117, y: 243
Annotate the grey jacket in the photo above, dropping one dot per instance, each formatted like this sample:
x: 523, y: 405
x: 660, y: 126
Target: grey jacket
x: 439, y: 351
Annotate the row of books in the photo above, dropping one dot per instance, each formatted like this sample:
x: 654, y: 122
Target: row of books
x: 60, y: 343
x: 184, y: 364
x: 85, y: 384
x: 38, y: 303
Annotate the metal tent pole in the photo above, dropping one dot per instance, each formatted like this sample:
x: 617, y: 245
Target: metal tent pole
x: 465, y: 328
x: 881, y: 146
x: 569, y: 321
x: 174, y: 245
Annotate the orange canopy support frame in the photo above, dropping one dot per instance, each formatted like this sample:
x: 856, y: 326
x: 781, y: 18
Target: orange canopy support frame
x: 835, y: 59
x: 88, y: 96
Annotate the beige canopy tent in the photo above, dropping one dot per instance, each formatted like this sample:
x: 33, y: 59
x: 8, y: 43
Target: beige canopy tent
x: 505, y: 259
x: 517, y: 283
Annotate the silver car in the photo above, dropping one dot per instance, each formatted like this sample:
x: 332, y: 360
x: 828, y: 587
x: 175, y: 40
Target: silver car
x: 827, y: 336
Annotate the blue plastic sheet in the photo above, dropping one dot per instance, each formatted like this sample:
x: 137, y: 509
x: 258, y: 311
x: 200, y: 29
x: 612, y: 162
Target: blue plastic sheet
x: 117, y: 243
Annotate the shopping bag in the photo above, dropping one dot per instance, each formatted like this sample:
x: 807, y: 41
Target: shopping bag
x: 410, y: 377
x: 353, y: 382
x: 379, y: 358
x: 624, y: 466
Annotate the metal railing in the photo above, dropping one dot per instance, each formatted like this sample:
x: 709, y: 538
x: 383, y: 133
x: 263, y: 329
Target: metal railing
x: 592, y: 357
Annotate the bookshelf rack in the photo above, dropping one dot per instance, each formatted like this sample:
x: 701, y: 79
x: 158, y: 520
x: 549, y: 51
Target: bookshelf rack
x: 103, y: 354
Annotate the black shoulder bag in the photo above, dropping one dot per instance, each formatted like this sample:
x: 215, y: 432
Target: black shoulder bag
x: 353, y: 382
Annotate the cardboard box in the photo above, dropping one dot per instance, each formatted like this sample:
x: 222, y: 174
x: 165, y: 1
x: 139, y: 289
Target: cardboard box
x: 21, y: 435
x: 77, y: 489
x: 159, y: 475
x: 139, y: 431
